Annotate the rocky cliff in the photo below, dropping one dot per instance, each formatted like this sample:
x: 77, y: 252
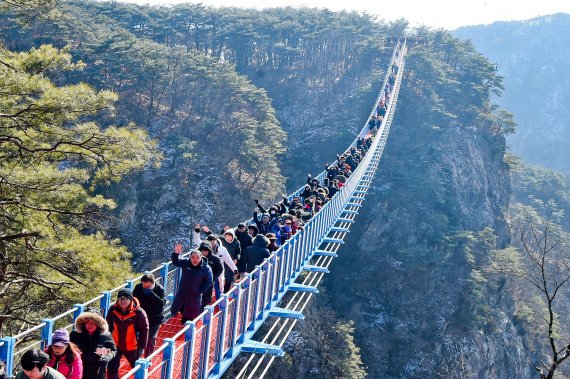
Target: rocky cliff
x: 532, y: 56
x: 407, y: 281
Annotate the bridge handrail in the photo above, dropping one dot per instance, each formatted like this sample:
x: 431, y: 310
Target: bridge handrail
x: 283, y: 265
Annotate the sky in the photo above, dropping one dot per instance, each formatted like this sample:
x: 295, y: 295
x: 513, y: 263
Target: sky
x: 448, y: 14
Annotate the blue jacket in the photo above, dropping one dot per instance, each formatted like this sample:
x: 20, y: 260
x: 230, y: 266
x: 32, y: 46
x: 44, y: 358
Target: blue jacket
x: 194, y: 282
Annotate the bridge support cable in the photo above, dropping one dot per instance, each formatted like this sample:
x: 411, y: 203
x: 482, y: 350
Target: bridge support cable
x: 332, y: 242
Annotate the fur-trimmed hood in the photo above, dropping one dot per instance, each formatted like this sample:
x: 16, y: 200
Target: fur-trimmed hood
x: 98, y: 319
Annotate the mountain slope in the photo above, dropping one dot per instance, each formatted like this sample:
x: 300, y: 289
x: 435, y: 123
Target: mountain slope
x: 533, y: 57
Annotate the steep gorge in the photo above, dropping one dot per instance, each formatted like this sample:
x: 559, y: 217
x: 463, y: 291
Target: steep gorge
x: 404, y: 297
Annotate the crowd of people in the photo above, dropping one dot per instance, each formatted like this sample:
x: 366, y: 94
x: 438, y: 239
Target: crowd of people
x: 93, y: 350
x: 219, y: 260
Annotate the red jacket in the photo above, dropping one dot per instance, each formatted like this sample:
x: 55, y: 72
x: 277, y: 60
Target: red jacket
x: 129, y: 329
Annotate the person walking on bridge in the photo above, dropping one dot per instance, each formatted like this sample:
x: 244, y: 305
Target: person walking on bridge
x: 196, y: 280
x: 128, y: 325
x: 151, y: 298
x: 255, y: 254
x: 34, y: 366
x: 92, y: 337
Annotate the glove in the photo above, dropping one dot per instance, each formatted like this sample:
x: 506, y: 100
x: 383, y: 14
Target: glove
x: 140, y: 353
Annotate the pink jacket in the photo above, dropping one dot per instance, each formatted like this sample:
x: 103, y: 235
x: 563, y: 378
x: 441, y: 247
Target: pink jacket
x: 73, y: 372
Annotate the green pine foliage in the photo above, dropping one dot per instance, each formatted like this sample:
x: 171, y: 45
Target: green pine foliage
x: 54, y: 161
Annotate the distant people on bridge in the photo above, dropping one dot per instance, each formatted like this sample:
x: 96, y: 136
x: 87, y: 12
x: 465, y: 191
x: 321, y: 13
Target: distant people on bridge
x: 256, y: 253
x: 233, y: 247
x: 217, y: 252
x: 152, y: 299
x: 267, y: 224
x: 64, y: 355
x: 272, y: 247
x: 245, y: 241
x: 286, y: 228
x: 34, y: 366
x: 92, y: 337
x: 253, y: 231
x: 128, y: 324
x: 196, y: 280
x: 217, y: 268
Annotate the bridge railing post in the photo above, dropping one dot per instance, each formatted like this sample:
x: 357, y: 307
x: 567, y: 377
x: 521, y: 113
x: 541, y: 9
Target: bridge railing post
x: 279, y: 284
x: 288, y: 257
x: 257, y: 276
x: 235, y: 294
x: 46, y: 333
x: 105, y: 303
x: 142, y: 373
x: 190, y: 340
x: 245, y: 297
x: 272, y: 280
x: 168, y: 357
x: 164, y: 274
x: 205, y: 358
x: 7, y: 354
x: 266, y: 285
x: 304, y: 245
x: 301, y: 246
x: 79, y: 309
x: 221, y: 338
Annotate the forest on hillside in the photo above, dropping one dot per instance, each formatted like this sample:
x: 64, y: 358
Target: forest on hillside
x: 129, y: 123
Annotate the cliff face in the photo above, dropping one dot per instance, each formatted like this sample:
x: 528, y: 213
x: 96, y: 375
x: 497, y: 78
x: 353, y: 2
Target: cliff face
x: 426, y: 311
x: 404, y: 299
x: 532, y: 56
x: 407, y: 279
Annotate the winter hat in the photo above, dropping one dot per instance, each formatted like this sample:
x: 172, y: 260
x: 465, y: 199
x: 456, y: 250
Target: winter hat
x: 34, y: 358
x: 254, y: 228
x: 126, y: 292
x: 205, y: 246
x: 60, y: 337
x: 212, y: 237
x: 271, y: 236
x: 265, y: 215
x: 241, y: 225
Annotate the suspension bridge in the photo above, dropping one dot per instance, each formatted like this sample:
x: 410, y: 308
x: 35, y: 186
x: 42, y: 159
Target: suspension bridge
x: 208, y: 345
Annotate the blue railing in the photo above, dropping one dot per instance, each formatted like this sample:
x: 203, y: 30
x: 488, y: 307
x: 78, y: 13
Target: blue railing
x: 214, y: 339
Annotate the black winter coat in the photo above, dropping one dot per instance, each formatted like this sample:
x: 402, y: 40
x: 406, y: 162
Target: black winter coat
x: 216, y: 265
x: 152, y: 303
x: 88, y: 344
x: 245, y: 241
x: 234, y: 249
x: 255, y: 254
x: 265, y: 228
x: 195, y: 281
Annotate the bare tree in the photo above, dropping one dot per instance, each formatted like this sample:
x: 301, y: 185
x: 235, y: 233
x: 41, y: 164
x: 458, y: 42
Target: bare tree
x: 543, y: 261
